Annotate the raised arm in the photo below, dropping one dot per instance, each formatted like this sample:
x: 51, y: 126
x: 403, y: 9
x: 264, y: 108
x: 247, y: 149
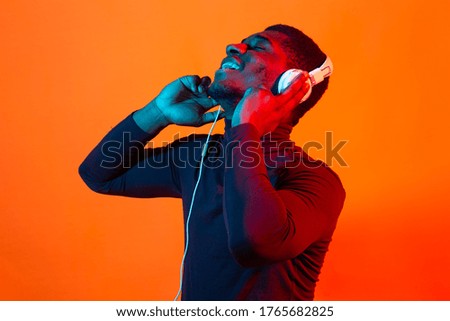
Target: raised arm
x: 121, y: 165
x: 265, y: 224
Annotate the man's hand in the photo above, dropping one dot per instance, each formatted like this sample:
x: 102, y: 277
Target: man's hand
x: 265, y: 110
x: 185, y: 102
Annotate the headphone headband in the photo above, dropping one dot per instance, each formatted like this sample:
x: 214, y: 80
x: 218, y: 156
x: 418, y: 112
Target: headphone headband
x: 319, y: 74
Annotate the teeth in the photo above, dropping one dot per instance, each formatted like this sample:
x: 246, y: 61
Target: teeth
x: 230, y: 65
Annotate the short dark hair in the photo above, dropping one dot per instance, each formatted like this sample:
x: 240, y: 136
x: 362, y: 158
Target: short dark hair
x: 303, y: 53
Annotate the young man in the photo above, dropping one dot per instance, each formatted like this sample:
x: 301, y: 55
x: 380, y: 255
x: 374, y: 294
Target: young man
x: 264, y: 212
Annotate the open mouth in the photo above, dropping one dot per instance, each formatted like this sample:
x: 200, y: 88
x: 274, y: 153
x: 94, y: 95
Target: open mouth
x: 230, y: 64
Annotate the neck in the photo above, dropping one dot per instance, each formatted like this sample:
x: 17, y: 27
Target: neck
x: 228, y: 105
x: 280, y: 134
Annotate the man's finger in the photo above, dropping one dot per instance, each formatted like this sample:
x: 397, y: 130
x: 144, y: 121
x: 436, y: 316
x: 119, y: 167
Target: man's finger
x: 204, y: 84
x: 211, y: 116
x: 301, y: 93
x: 297, y: 91
x: 295, y: 86
x: 191, y: 82
x: 205, y: 102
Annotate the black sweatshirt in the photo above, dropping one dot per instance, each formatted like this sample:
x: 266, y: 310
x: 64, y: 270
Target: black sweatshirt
x: 263, y: 216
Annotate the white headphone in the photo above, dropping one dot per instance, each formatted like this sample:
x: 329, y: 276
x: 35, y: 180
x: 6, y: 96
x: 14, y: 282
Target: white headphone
x: 316, y: 76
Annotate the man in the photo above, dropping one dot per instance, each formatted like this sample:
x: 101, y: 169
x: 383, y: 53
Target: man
x: 264, y: 212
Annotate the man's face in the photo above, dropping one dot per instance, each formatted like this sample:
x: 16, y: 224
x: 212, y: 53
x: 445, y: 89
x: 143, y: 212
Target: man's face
x: 255, y: 62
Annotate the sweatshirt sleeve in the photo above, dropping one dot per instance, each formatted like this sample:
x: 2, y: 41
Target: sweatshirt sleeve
x: 264, y: 224
x: 122, y: 165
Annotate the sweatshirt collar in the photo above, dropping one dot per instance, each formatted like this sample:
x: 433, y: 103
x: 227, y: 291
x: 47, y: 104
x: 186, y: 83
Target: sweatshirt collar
x: 277, y: 146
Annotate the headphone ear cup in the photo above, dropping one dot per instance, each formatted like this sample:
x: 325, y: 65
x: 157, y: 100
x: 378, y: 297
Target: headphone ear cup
x: 286, y: 80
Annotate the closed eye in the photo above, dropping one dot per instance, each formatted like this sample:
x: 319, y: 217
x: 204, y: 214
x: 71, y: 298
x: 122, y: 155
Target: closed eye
x: 258, y: 48
x: 258, y: 43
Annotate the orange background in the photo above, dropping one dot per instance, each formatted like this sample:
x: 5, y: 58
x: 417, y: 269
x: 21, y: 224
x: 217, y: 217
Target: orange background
x: 70, y: 70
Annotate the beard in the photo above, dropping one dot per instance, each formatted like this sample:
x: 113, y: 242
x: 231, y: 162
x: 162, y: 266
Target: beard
x: 221, y: 90
x: 227, y: 94
x: 228, y: 89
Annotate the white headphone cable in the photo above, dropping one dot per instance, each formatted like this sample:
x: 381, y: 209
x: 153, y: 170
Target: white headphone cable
x: 205, y: 148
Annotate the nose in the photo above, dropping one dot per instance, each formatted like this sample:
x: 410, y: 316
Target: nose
x: 236, y: 49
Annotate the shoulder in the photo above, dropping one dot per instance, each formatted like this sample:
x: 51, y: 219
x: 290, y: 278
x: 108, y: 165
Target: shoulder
x: 313, y: 178
x: 301, y: 164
